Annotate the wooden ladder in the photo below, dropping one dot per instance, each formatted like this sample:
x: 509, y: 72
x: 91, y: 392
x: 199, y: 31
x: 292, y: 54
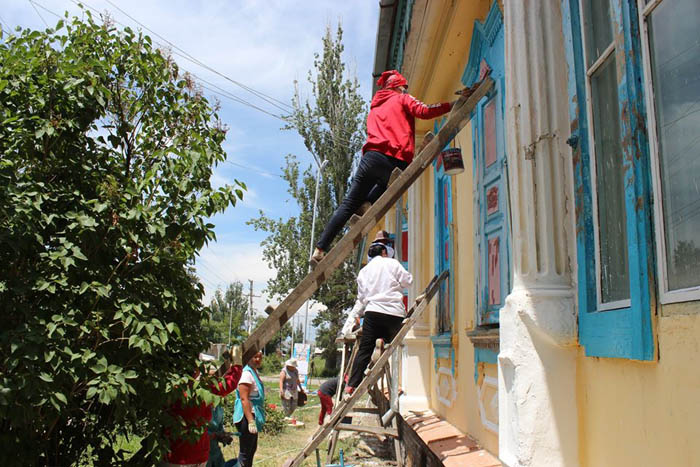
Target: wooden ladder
x: 379, y: 369
x: 278, y: 316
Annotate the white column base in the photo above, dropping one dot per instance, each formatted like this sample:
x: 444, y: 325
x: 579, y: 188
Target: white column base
x: 538, y: 418
x: 415, y: 373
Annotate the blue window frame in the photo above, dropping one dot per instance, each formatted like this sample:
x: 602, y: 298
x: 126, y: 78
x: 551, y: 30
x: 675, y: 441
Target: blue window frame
x: 611, y: 177
x: 444, y: 249
x: 491, y: 223
x: 401, y: 240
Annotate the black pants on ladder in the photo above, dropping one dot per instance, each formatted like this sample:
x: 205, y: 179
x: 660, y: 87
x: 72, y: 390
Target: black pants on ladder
x: 375, y: 326
x: 368, y: 184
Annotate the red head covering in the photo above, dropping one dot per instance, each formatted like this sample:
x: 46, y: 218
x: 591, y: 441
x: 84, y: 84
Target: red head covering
x: 391, y: 79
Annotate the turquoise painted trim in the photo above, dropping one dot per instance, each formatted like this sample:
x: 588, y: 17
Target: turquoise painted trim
x: 483, y: 36
x: 402, y: 26
x: 442, y: 348
x: 442, y: 343
x: 483, y: 356
x: 443, y: 183
x: 626, y: 332
x: 488, y: 45
x: 637, y: 184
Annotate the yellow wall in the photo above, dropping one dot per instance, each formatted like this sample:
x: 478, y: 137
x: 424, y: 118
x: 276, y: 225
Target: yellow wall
x: 434, y: 67
x: 464, y: 411
x: 645, y: 414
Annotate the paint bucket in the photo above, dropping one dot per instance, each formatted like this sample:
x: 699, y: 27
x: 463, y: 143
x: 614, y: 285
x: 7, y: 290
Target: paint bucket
x: 452, y: 161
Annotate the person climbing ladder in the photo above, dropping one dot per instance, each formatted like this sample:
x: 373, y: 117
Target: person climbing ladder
x: 390, y: 144
x: 380, y: 287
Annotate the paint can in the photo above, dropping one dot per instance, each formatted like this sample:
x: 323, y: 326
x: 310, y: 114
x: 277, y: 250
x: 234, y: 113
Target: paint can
x: 452, y: 161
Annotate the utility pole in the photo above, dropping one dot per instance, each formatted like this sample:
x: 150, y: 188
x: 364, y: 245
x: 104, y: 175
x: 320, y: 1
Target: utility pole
x: 319, y: 171
x: 250, y: 315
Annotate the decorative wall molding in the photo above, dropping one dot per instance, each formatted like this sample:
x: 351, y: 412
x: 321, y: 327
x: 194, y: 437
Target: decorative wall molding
x: 483, y: 36
x: 488, y: 382
x: 446, y: 386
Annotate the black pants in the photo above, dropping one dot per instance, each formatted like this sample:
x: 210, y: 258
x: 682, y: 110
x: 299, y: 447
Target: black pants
x: 368, y: 184
x: 375, y: 326
x: 249, y: 444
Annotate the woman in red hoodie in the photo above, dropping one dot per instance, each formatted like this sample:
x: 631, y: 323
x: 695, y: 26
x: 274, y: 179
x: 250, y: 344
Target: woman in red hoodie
x: 390, y: 144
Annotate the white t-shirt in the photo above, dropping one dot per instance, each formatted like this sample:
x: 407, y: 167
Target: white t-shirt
x: 248, y: 378
x: 380, y: 287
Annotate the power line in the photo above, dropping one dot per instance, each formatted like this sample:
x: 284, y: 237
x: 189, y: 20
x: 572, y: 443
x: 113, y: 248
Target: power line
x: 37, y: 12
x: 194, y: 60
x: 223, y: 93
x: 334, y: 137
x: 262, y: 172
x: 212, y: 270
x: 259, y: 94
x: 234, y: 98
x: 5, y: 24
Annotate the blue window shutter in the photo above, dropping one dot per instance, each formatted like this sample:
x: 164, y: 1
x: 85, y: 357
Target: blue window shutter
x: 491, y: 219
x: 625, y: 332
x: 444, y: 250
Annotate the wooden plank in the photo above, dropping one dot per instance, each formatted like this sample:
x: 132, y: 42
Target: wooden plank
x: 377, y: 371
x: 375, y: 430
x: 331, y: 447
x: 398, y: 452
x: 290, y: 305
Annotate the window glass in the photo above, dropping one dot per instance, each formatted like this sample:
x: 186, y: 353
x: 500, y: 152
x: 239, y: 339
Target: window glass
x: 490, y: 132
x: 598, y: 28
x: 675, y: 53
x: 494, y: 271
x: 612, y: 219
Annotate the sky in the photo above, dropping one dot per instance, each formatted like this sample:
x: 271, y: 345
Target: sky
x: 265, y: 45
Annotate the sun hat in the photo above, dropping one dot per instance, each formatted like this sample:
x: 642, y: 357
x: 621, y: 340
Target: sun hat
x: 382, y: 237
x: 291, y: 362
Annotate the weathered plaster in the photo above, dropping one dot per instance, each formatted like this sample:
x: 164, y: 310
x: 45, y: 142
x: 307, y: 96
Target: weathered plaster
x: 537, y: 361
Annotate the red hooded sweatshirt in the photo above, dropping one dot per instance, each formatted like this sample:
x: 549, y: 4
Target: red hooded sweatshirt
x: 183, y: 452
x: 391, y: 124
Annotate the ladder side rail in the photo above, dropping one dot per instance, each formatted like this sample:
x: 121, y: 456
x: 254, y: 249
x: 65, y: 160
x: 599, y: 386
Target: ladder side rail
x: 293, y: 302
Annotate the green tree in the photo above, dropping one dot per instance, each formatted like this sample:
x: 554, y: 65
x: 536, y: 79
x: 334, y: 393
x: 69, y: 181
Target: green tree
x: 332, y: 126
x: 227, y: 315
x: 279, y: 342
x: 107, y: 154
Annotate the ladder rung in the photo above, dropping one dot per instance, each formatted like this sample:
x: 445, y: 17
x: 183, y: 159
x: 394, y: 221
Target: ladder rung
x: 353, y: 219
x: 375, y: 430
x: 396, y: 173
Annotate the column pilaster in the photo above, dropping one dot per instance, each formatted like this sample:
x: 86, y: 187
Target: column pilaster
x: 537, y: 361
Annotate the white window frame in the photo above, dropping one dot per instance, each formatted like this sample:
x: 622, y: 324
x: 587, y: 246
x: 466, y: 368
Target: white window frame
x: 665, y: 295
x: 591, y: 145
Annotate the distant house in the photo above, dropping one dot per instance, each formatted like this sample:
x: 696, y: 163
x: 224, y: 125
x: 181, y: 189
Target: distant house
x: 568, y: 332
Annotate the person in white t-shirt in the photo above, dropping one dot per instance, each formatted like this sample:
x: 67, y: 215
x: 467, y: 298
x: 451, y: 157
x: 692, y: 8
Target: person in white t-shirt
x: 380, y: 286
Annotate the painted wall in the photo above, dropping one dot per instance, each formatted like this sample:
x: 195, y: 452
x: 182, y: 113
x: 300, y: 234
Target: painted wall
x: 464, y: 411
x: 636, y: 413
x: 436, y: 55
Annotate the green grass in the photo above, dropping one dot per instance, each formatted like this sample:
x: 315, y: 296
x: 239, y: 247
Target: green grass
x: 273, y: 450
